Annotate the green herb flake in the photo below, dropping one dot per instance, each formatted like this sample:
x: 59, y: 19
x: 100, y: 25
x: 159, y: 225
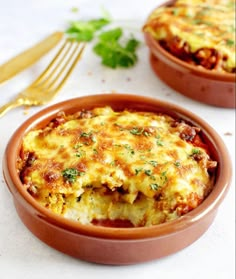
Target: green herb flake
x: 85, y: 135
x: 163, y: 177
x: 175, y: 11
x: 84, y: 31
x: 113, y: 53
x: 154, y: 186
x: 137, y: 171
x: 146, y: 134
x: 70, y: 174
x: 95, y: 151
x: 80, y: 154
x: 195, y: 151
x: 159, y: 142
x: 177, y: 163
x: 129, y: 148
x: 77, y: 146
x: 113, y: 163
x: 153, y: 163
x: 136, y: 131
x: 230, y: 42
x: 142, y: 157
x: 148, y: 172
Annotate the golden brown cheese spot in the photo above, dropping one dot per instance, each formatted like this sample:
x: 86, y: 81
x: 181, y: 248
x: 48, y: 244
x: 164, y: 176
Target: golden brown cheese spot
x: 119, y: 168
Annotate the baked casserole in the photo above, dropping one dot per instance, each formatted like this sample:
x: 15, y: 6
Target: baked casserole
x: 117, y: 168
x: 200, y: 32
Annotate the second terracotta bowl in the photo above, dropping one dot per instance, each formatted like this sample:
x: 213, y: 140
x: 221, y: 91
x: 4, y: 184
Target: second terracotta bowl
x: 109, y: 245
x: 206, y: 86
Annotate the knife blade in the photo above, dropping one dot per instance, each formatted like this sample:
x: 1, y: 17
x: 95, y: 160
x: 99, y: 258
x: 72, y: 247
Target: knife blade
x: 28, y: 57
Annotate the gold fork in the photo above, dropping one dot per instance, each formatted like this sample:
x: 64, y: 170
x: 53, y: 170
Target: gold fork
x: 47, y: 85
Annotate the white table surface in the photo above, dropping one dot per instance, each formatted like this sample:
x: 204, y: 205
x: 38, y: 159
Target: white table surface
x: 22, y: 255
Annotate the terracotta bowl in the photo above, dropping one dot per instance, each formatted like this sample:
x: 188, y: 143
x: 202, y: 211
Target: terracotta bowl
x: 109, y: 245
x: 206, y: 86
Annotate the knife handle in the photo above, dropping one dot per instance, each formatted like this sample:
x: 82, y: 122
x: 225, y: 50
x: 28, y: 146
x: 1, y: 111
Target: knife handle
x: 28, y: 57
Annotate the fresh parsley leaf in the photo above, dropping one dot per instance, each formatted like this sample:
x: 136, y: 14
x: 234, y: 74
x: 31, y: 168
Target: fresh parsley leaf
x: 111, y: 35
x: 113, y: 53
x: 85, y: 30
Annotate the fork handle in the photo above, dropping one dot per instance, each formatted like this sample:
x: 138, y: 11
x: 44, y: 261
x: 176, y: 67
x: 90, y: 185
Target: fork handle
x: 12, y: 104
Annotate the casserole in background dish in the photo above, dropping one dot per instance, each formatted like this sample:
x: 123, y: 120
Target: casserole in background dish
x: 192, y: 46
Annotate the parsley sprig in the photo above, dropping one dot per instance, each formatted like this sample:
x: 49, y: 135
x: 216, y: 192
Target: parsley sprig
x: 113, y: 53
x: 71, y: 174
x: 85, y: 30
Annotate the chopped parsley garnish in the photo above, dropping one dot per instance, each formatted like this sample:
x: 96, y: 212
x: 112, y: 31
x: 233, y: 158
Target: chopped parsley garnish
x: 163, y: 177
x: 148, y: 172
x: 80, y: 153
x: 136, y: 131
x: 85, y: 135
x: 137, y: 171
x: 78, y: 145
x: 129, y: 148
x: 195, y: 151
x: 146, y: 134
x: 112, y: 52
x: 88, y: 136
x: 154, y: 186
x: 175, y: 11
x: 230, y: 42
x: 95, y: 151
x: 177, y: 163
x: 159, y: 142
x: 113, y: 163
x: 70, y: 174
x: 153, y: 163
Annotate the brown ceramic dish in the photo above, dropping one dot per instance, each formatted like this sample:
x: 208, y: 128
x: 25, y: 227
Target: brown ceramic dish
x: 206, y: 86
x: 109, y: 245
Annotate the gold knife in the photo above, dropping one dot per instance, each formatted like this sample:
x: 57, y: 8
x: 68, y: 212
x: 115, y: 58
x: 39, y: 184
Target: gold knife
x: 28, y: 57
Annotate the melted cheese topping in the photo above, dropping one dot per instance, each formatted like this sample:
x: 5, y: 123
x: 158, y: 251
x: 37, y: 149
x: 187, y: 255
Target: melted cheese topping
x: 105, y: 165
x: 202, y: 24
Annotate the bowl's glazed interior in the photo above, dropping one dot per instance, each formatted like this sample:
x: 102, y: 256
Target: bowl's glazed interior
x: 131, y: 245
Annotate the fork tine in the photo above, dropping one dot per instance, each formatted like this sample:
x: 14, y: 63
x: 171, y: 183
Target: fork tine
x: 51, y: 65
x: 73, y: 58
x: 36, y: 93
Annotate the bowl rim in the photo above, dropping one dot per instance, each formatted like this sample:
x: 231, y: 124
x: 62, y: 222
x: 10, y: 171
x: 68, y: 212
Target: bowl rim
x: 156, y: 48
x: 210, y: 204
